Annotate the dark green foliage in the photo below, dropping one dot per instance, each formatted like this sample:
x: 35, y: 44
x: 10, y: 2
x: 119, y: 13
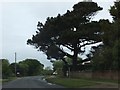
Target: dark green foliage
x: 23, y: 68
x: 47, y: 71
x: 115, y: 11
x: 68, y: 30
x: 57, y: 65
x: 108, y: 57
x: 12, y: 67
x: 28, y: 67
x: 6, y: 71
x: 32, y: 67
x: 0, y: 68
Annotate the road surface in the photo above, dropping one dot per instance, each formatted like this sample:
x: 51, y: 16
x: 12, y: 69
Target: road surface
x: 29, y: 83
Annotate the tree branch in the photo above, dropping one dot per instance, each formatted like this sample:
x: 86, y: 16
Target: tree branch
x: 68, y: 47
x: 87, y: 44
x: 66, y: 54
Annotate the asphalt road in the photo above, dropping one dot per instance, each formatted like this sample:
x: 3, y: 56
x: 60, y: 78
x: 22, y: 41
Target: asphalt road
x: 30, y: 82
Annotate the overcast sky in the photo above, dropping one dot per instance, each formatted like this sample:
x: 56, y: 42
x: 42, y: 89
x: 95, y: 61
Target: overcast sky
x: 19, y: 20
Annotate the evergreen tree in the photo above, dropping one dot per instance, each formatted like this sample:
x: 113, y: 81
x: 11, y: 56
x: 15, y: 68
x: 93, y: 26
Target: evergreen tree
x: 108, y: 57
x: 73, y: 30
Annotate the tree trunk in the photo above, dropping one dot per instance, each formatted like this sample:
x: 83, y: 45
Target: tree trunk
x: 74, y: 62
x: 65, y: 67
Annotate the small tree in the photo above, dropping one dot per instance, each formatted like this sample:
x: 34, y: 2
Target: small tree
x: 47, y: 71
x: 58, y: 66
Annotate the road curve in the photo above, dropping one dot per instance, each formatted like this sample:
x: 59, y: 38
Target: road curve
x: 30, y: 82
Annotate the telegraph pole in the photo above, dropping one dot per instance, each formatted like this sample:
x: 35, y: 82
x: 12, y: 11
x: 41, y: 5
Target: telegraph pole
x: 15, y: 64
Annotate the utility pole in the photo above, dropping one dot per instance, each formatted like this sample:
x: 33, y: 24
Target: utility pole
x: 15, y: 64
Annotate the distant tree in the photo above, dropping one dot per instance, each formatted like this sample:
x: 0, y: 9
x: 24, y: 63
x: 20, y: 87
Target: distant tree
x: 72, y: 30
x: 33, y: 65
x: 23, y: 68
x: 47, y: 71
x: 61, y: 68
x: 12, y: 67
x: 6, y: 71
x: 27, y: 67
x: 58, y: 66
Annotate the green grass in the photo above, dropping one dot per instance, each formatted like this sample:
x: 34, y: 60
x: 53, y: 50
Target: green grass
x: 78, y: 83
x: 101, y: 80
x: 71, y: 83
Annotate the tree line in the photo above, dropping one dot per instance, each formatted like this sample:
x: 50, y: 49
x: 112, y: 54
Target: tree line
x: 27, y: 67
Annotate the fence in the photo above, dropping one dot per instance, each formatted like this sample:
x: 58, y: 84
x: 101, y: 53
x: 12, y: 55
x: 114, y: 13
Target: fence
x: 106, y: 75
x: 102, y: 75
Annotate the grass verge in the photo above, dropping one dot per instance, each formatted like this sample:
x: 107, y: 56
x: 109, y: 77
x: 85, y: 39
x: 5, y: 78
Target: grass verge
x: 101, y: 80
x: 70, y: 82
x: 8, y: 80
x: 79, y: 83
